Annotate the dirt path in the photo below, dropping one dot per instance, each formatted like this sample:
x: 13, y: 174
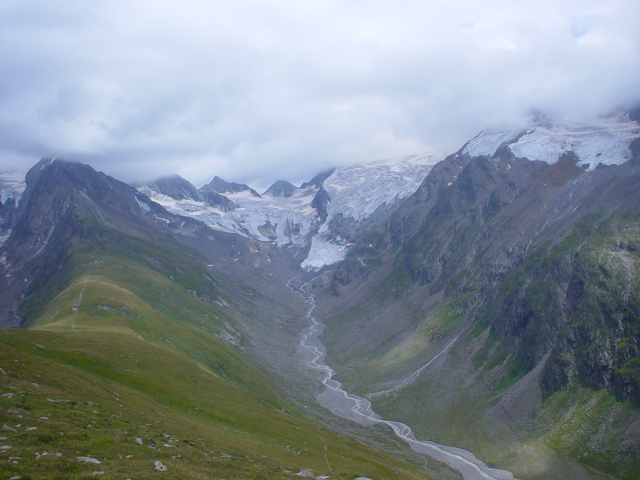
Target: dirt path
x: 412, y: 378
x: 75, y: 311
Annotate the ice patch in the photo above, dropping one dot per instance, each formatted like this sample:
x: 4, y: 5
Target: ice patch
x: 323, y: 253
x: 357, y: 191
x: 146, y: 208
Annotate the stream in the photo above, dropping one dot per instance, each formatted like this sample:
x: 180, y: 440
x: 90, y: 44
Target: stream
x: 352, y: 407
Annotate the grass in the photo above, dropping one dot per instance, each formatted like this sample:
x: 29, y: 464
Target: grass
x: 133, y: 351
x: 592, y: 426
x: 93, y: 393
x: 431, y: 331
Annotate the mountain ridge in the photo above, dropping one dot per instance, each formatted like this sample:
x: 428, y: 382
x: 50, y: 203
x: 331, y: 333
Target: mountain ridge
x: 532, y: 265
x: 490, y: 304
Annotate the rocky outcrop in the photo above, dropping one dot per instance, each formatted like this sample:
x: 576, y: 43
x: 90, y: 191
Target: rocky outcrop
x: 214, y: 199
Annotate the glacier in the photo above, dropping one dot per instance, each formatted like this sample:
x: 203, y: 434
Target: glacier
x: 355, y: 194
x: 603, y: 142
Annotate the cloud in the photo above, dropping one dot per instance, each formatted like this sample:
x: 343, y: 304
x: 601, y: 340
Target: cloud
x: 255, y: 91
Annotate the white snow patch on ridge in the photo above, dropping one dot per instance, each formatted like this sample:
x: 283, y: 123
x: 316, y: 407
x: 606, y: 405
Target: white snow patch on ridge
x: 487, y: 142
x: 606, y: 143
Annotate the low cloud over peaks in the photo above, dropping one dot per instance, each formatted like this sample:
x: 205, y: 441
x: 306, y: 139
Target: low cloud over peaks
x: 284, y: 89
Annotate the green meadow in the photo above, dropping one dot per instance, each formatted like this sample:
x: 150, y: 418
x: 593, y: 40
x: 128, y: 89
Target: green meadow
x: 137, y: 362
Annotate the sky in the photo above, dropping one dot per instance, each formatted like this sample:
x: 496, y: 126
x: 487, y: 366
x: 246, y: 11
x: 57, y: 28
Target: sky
x: 255, y: 91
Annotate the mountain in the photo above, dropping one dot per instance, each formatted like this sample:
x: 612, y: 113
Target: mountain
x: 176, y: 187
x: 141, y: 352
x: 321, y: 219
x: 218, y: 185
x: 281, y: 188
x: 63, y: 207
x: 518, y: 258
x: 488, y: 302
x: 319, y: 179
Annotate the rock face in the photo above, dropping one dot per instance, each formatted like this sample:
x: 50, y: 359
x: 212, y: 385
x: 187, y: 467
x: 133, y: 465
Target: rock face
x: 11, y: 189
x: 536, y: 235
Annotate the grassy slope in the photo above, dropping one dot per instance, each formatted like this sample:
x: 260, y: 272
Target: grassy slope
x: 129, y: 350
x: 450, y: 402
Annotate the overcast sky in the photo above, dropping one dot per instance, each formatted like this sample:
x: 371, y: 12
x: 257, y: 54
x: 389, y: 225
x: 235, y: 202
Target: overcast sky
x: 256, y: 90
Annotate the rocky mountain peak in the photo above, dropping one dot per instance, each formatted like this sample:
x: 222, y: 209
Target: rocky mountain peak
x: 175, y: 187
x: 218, y: 185
x: 281, y: 188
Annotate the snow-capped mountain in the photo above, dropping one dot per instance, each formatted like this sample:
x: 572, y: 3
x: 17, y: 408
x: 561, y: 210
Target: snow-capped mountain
x: 602, y: 143
x: 324, y: 216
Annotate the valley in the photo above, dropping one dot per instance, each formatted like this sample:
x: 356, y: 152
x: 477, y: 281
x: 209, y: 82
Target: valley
x: 340, y: 402
x: 476, y: 318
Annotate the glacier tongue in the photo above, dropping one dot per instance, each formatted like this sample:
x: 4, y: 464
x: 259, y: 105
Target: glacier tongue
x: 355, y: 194
x: 323, y: 252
